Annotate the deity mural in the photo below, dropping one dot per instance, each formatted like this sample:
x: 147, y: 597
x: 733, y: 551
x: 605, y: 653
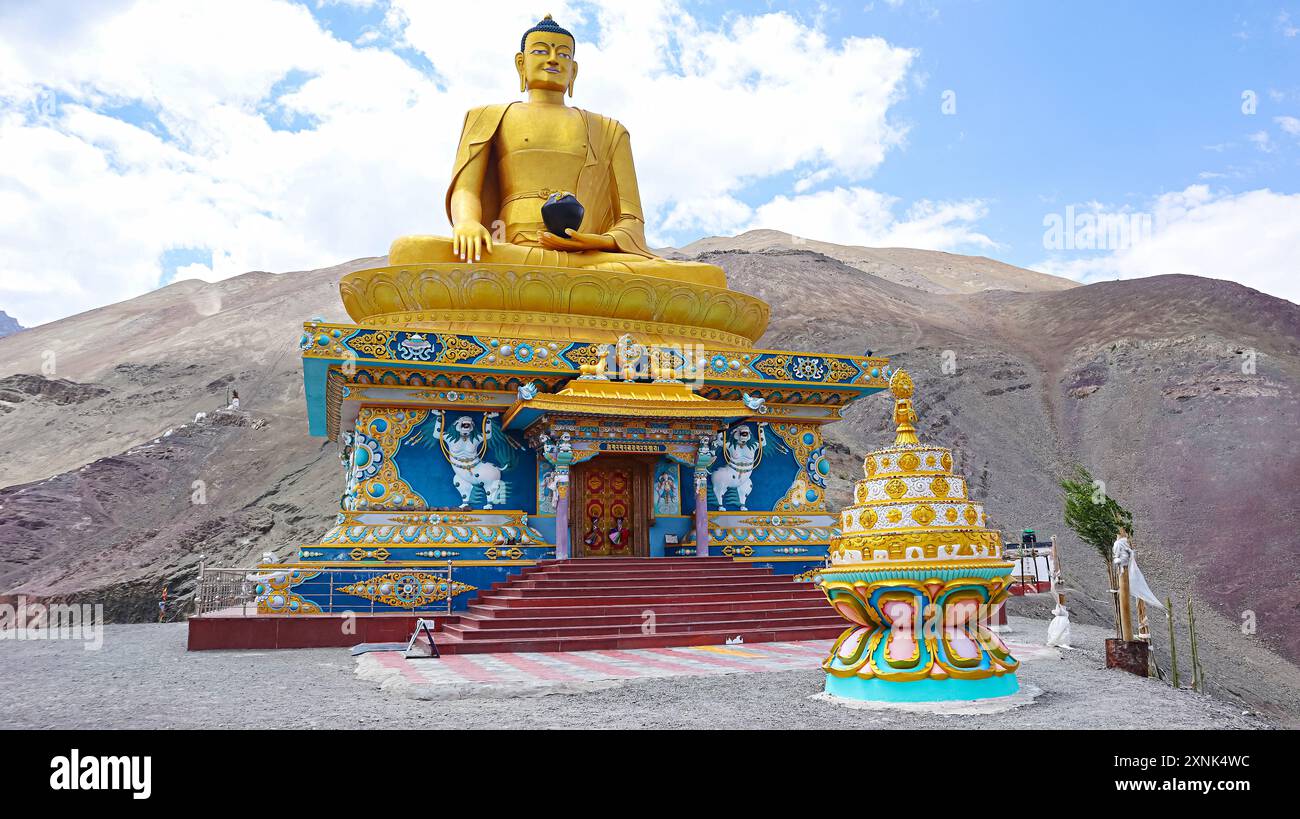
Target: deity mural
x: 668, y: 500
x: 547, y: 483
x: 742, y: 449
x: 477, y: 457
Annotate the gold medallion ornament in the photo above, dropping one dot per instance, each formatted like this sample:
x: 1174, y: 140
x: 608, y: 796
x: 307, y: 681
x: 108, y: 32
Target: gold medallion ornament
x: 895, y: 489
x: 939, y: 487
x: 909, y: 462
x: 923, y: 515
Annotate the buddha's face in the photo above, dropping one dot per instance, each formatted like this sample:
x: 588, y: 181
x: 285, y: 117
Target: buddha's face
x: 547, y: 61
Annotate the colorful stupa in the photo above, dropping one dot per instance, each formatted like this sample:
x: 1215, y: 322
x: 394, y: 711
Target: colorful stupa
x: 918, y: 574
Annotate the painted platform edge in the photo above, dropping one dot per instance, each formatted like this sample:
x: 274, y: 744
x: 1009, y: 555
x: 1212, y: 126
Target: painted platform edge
x: 921, y: 691
x: 212, y: 632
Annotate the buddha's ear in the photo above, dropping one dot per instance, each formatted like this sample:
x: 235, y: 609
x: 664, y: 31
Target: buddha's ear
x: 519, y: 66
x: 573, y: 75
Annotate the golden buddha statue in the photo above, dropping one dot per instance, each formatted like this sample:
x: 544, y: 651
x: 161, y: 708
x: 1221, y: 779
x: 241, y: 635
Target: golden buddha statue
x: 513, y: 156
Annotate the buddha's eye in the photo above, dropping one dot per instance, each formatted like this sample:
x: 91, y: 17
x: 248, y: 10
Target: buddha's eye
x: 564, y: 56
x: 541, y: 51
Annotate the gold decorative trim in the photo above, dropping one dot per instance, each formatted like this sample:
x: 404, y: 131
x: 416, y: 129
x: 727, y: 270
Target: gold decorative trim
x: 603, y: 304
x: 926, y: 566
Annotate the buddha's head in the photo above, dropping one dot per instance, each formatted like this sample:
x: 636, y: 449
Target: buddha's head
x: 545, y: 58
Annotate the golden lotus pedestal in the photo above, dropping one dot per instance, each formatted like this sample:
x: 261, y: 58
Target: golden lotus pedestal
x: 552, y: 302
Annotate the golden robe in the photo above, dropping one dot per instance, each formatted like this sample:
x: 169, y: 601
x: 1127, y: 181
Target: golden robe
x: 606, y: 187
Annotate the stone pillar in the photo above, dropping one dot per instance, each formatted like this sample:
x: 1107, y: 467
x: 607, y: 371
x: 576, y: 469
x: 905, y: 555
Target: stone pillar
x: 561, y: 457
x: 701, y: 513
x: 704, y: 458
x: 562, y: 515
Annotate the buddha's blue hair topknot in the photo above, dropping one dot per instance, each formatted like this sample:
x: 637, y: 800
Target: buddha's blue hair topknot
x: 548, y: 25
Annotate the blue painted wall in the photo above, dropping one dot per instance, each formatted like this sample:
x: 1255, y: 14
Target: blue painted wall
x: 424, y: 467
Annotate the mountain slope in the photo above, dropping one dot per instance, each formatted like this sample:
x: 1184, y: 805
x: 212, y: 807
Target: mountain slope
x: 1139, y: 380
x: 929, y: 270
x: 8, y: 324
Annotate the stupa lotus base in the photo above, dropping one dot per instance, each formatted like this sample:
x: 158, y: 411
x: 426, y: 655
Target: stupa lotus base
x: 919, y: 635
x: 927, y: 690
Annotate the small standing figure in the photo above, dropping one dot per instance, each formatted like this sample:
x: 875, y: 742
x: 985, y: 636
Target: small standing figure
x: 666, y: 501
x: 620, y: 537
x: 234, y: 400
x: 594, y: 537
x: 1058, y: 631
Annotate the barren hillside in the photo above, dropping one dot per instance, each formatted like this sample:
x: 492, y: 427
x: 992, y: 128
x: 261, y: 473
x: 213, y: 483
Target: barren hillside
x: 928, y: 270
x: 1141, y: 381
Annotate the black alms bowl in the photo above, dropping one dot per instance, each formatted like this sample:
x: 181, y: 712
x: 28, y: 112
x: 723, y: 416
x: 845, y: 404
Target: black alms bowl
x: 561, y: 212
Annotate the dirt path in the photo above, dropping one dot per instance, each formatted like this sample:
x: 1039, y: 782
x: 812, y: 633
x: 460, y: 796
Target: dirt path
x: 144, y: 678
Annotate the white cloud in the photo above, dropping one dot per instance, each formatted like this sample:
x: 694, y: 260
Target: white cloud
x: 1289, y: 124
x: 860, y: 216
x: 1262, y: 141
x: 1284, y: 25
x: 1252, y: 238
x: 91, y: 203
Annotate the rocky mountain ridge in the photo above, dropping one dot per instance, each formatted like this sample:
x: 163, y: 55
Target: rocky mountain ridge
x: 1179, y: 392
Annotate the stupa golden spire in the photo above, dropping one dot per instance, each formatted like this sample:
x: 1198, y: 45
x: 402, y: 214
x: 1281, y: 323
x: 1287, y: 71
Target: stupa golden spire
x: 901, y: 386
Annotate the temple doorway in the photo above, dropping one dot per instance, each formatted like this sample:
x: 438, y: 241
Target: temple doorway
x: 612, y: 509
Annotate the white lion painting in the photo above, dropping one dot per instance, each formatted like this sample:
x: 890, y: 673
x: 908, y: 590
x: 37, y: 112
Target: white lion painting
x: 742, y: 452
x: 477, y: 457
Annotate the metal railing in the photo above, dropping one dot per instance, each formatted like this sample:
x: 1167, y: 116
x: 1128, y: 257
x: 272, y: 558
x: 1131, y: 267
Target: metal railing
x: 226, y: 588
x: 1028, y: 560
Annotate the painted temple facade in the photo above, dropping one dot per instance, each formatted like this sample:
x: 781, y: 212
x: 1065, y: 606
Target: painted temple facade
x: 540, y: 385
x: 551, y: 433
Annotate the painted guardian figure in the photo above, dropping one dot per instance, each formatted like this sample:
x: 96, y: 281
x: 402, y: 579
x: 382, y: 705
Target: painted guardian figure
x: 477, y: 459
x: 514, y: 156
x: 742, y: 452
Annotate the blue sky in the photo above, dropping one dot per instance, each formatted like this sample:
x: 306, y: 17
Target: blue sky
x: 186, y: 139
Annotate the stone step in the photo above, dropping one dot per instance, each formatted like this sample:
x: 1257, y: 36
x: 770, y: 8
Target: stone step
x: 638, y: 610
x: 452, y: 644
x: 616, y: 564
x: 614, y: 597
x: 644, y: 574
x: 463, y: 632
x: 510, y: 618
x: 594, y: 588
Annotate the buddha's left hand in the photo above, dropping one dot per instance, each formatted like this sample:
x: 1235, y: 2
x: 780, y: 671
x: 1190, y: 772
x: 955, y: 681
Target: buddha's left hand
x: 577, y: 241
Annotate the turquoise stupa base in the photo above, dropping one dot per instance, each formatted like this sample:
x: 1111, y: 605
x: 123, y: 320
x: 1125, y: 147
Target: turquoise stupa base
x: 927, y: 690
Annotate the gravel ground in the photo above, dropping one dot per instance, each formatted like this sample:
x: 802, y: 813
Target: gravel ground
x: 144, y: 678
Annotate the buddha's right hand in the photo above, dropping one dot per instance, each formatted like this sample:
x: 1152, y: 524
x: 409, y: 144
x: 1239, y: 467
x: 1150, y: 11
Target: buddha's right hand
x: 469, y: 240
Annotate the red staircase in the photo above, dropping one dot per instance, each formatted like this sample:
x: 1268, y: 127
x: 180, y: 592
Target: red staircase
x: 602, y: 603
